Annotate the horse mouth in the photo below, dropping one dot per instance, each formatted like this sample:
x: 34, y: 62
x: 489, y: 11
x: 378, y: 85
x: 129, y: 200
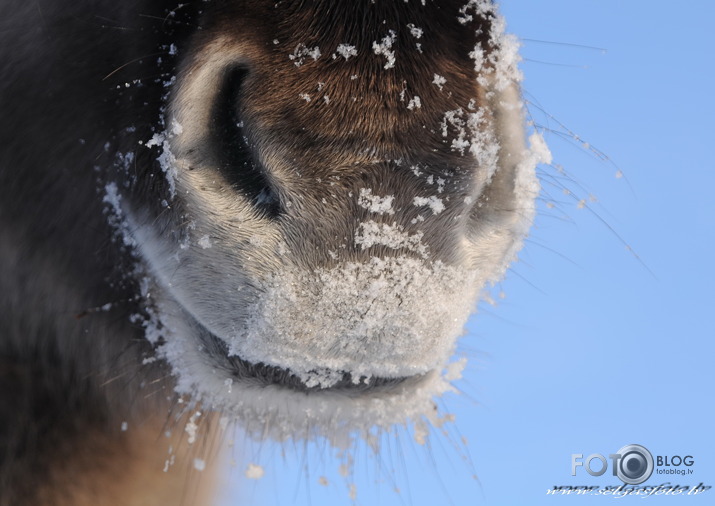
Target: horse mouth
x: 266, y: 375
x: 271, y: 400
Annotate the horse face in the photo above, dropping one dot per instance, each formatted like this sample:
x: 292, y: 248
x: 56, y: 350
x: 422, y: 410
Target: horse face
x: 341, y: 181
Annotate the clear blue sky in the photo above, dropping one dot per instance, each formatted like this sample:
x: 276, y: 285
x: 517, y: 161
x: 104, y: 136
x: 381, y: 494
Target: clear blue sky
x: 591, y: 349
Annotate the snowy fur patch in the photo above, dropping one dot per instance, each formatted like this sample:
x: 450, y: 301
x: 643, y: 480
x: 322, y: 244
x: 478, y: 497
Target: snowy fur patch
x: 392, y: 317
x: 374, y: 203
x: 371, y: 233
x: 434, y: 203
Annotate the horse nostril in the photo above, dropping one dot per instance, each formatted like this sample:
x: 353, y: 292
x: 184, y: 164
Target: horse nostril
x: 233, y: 147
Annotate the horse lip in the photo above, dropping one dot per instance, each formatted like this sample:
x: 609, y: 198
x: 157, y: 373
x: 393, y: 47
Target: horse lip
x: 264, y: 375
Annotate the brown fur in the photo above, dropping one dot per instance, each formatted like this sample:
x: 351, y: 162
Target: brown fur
x: 130, y: 469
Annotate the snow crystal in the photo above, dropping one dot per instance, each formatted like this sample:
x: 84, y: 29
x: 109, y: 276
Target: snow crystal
x: 346, y: 51
x: 384, y: 48
x: 115, y: 215
x: 414, y: 103
x: 169, y: 462
x: 439, y: 81
x: 169, y: 83
x: 472, y: 132
x: 204, y: 241
x: 499, y: 69
x: 254, y: 472
x: 371, y: 233
x: 125, y: 426
x: 192, y: 427
x: 434, y: 203
x: 454, y: 370
x: 167, y: 161
x: 229, y: 384
x: 301, y: 51
x: 479, y: 7
x: 124, y: 161
x: 421, y: 432
x: 314, y: 53
x: 199, y: 464
x: 176, y: 128
x: 415, y: 31
x: 374, y: 203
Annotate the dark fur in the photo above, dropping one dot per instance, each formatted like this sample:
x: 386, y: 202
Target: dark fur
x: 68, y: 367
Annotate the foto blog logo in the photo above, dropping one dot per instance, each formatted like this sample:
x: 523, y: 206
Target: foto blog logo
x: 633, y: 464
